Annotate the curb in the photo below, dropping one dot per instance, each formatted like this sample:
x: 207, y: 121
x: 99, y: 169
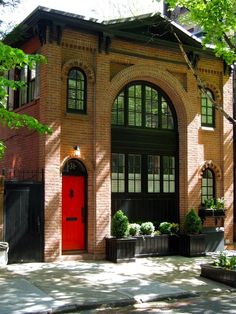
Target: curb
x: 113, y: 303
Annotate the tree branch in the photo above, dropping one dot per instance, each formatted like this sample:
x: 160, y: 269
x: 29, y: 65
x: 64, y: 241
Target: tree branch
x: 200, y: 83
x: 229, y: 42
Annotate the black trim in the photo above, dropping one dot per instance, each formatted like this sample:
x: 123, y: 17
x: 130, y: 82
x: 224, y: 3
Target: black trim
x: 212, y: 125
x: 74, y: 110
x: 146, y: 141
x: 213, y: 185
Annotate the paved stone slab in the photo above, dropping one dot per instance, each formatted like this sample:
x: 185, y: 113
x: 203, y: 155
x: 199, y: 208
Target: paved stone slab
x: 20, y: 296
x: 146, y: 291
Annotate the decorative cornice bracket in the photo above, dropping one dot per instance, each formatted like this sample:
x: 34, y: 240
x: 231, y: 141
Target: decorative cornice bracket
x: 104, y: 42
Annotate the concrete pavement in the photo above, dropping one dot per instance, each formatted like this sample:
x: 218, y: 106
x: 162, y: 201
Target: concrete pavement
x: 71, y: 286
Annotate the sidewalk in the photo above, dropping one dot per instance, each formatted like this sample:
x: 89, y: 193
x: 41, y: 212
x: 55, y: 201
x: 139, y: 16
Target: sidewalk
x: 57, y: 287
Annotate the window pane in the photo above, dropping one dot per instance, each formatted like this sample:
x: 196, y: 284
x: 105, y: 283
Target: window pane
x: 118, y: 110
x: 118, y: 173
x: 76, y: 90
x: 166, y: 115
x: 134, y: 173
x: 168, y: 174
x: 207, y: 110
x: 151, y: 107
x: 135, y: 105
x: 153, y: 174
x: 207, y: 190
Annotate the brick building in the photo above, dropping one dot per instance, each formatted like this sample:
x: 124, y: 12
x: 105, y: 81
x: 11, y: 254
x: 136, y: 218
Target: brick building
x: 131, y: 130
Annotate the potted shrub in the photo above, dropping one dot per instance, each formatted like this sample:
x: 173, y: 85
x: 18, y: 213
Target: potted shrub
x: 145, y: 244
x: 120, y: 247
x: 134, y: 229
x: 172, y: 231
x: 151, y: 242
x: 222, y: 269
x: 192, y: 242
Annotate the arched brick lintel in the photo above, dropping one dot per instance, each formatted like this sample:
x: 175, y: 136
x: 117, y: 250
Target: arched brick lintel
x: 80, y: 64
x: 209, y: 164
x: 158, y: 76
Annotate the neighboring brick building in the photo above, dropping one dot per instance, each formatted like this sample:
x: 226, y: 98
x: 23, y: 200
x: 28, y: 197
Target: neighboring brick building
x: 149, y: 142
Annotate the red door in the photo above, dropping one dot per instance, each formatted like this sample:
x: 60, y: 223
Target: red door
x: 73, y: 213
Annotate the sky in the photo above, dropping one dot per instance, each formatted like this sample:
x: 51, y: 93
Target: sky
x: 101, y: 9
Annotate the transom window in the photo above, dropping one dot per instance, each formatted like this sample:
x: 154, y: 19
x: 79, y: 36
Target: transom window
x: 208, y: 185
x: 76, y: 91
x: 141, y: 105
x: 135, y: 173
x: 207, y: 110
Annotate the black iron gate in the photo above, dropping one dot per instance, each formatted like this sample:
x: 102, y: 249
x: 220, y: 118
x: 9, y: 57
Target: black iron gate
x: 23, y: 220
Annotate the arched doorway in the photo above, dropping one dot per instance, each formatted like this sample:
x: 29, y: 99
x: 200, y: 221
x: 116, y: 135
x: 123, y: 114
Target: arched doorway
x: 74, y: 209
x: 144, y: 157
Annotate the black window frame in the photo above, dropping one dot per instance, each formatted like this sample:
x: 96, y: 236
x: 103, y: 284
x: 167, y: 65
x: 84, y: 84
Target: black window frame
x: 209, y: 106
x: 144, y: 174
x: 160, y: 94
x: 208, y: 195
x: 84, y: 100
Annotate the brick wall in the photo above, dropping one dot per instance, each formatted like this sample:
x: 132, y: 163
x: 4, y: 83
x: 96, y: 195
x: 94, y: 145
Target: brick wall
x: 107, y: 74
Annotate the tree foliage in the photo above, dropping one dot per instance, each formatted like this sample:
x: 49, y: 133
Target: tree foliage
x: 217, y: 18
x: 10, y: 59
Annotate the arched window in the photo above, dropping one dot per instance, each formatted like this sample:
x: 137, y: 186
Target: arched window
x: 207, y: 110
x: 208, y: 185
x: 76, y: 91
x: 144, y: 159
x: 142, y: 105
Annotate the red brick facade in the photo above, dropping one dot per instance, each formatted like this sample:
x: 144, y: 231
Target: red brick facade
x: 107, y: 74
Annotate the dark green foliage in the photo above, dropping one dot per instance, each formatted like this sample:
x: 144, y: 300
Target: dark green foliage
x: 134, y: 229
x: 174, y: 229
x: 192, y: 223
x: 165, y: 227
x: 168, y: 228
x: 119, y: 225
x: 228, y: 262
x: 147, y: 228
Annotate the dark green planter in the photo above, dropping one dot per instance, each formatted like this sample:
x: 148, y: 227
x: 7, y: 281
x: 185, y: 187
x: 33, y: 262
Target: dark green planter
x: 192, y: 245
x: 173, y: 244
x: 217, y: 214
x: 120, y: 250
x: 214, y: 239
x: 219, y: 274
x: 158, y: 245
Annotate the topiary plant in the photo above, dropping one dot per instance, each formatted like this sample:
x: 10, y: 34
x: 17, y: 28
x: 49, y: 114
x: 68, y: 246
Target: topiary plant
x: 134, y: 229
x: 192, y: 222
x: 119, y: 225
x: 165, y: 227
x: 147, y: 228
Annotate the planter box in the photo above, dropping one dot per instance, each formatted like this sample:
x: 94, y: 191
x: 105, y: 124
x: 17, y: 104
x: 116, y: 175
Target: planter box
x: 214, y: 239
x: 4, y: 247
x: 158, y: 245
x: 120, y: 250
x: 217, y: 214
x: 174, y: 247
x: 219, y: 274
x: 192, y: 245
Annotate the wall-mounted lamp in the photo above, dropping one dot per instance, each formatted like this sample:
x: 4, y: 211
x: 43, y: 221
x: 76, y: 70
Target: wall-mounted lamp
x: 76, y: 150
